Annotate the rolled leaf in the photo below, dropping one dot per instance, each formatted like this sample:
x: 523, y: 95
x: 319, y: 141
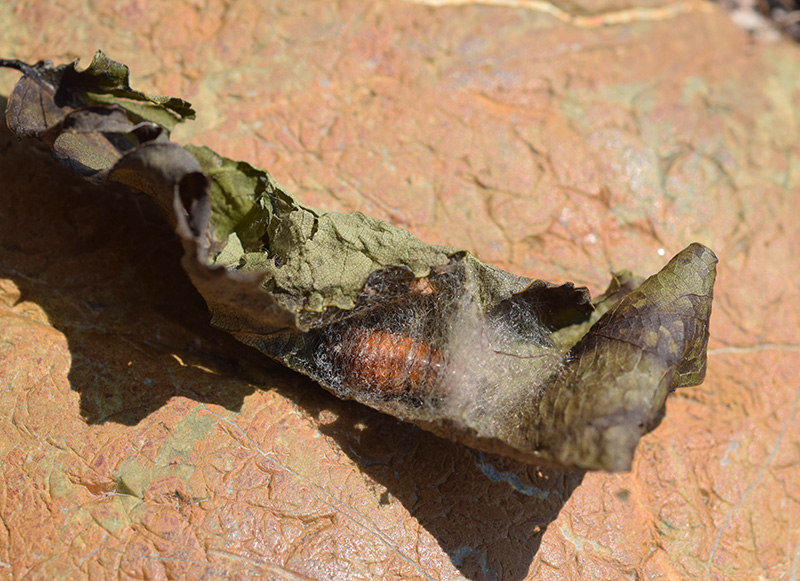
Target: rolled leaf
x: 429, y: 334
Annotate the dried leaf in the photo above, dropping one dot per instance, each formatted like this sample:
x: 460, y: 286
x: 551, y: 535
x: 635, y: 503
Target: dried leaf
x: 426, y: 333
x: 62, y: 89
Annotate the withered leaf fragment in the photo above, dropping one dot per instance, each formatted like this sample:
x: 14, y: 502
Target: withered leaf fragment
x: 429, y: 334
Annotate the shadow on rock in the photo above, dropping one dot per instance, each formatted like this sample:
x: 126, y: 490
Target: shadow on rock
x: 105, y: 267
x: 488, y: 513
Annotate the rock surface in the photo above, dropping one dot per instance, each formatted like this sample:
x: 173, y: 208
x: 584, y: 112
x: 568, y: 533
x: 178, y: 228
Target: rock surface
x: 136, y: 441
